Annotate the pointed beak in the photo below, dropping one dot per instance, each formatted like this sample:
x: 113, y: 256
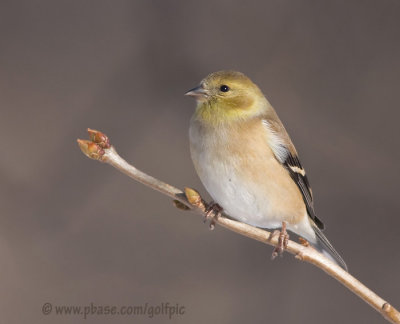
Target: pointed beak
x: 198, y: 93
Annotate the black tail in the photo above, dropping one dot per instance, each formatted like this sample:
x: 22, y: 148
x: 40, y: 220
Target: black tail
x: 325, y: 246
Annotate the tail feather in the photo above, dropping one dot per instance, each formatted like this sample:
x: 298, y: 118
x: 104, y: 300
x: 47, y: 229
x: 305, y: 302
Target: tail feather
x: 324, y: 245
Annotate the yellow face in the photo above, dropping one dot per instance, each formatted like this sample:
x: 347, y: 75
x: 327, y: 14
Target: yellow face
x: 226, y: 95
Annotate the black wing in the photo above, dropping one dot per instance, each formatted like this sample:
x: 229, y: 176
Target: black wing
x: 296, y: 171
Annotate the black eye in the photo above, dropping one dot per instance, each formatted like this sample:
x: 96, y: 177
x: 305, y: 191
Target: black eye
x: 224, y: 88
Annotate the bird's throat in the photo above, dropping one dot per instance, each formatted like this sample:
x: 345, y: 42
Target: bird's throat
x: 215, y: 113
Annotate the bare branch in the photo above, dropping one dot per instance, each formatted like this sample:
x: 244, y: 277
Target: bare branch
x: 99, y: 148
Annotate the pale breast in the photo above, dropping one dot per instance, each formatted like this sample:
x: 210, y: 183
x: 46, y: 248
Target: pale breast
x: 240, y: 172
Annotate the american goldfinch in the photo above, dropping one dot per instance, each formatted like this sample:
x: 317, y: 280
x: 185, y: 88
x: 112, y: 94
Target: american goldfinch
x: 247, y: 161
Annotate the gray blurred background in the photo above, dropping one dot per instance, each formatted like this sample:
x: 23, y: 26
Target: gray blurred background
x: 75, y: 231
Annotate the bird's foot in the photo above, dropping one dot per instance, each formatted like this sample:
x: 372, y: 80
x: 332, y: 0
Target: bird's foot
x: 282, y: 241
x: 213, y: 210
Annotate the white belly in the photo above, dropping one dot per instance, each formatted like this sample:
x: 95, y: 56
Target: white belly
x: 240, y: 199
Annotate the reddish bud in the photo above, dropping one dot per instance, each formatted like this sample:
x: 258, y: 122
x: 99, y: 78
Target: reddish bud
x: 99, y: 138
x: 90, y: 149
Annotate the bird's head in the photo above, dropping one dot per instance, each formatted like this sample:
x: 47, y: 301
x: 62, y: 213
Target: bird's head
x: 226, y: 96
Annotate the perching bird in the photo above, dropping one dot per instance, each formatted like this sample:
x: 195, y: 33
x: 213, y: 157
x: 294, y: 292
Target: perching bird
x: 247, y: 162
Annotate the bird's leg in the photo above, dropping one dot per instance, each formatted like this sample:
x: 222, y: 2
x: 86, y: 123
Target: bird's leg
x: 282, y: 241
x: 213, y: 210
